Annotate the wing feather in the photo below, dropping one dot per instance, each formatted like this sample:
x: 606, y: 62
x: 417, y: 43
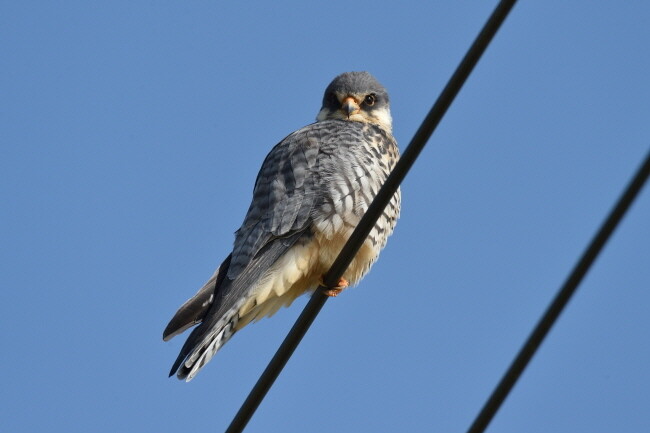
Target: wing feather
x: 278, y: 217
x: 283, y: 197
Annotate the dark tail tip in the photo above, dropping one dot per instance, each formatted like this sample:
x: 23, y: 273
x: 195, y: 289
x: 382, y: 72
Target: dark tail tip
x: 176, y: 365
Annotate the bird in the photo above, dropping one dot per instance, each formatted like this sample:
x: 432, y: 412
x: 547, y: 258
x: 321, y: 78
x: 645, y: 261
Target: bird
x: 310, y: 193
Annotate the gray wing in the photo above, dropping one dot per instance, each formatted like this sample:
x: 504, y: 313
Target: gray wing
x: 279, y: 215
x: 283, y: 197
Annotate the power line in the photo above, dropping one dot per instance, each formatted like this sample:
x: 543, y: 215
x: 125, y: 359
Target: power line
x: 561, y: 299
x: 364, y: 227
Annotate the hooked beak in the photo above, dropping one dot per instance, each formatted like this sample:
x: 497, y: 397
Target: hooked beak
x: 350, y: 106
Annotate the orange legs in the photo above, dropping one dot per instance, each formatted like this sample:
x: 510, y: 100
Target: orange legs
x: 333, y: 292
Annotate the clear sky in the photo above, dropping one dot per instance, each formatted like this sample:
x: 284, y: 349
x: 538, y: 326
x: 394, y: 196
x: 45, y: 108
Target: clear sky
x: 131, y: 133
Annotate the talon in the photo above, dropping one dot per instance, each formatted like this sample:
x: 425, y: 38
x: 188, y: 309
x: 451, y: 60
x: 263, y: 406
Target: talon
x: 335, y: 291
x: 332, y: 293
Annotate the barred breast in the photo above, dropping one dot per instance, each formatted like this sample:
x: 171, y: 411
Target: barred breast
x: 353, y: 165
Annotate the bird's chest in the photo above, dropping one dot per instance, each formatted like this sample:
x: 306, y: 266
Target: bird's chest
x: 349, y: 181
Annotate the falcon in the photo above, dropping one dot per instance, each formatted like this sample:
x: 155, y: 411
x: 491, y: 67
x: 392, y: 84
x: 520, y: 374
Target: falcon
x: 311, y: 192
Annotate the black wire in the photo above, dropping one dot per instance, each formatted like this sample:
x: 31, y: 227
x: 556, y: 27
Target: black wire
x: 362, y: 230
x: 561, y: 299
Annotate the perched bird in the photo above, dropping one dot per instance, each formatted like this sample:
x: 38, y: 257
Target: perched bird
x: 312, y: 190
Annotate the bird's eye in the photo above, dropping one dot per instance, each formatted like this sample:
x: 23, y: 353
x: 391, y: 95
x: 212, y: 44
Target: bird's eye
x: 370, y: 100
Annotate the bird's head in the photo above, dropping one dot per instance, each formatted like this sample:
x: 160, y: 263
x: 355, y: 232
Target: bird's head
x: 357, y: 97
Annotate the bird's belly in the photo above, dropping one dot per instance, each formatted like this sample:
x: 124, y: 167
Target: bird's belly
x: 289, y: 277
x: 300, y: 270
x: 330, y: 247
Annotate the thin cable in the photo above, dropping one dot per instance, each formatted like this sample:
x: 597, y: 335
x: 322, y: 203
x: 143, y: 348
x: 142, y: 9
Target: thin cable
x: 364, y: 227
x: 561, y: 299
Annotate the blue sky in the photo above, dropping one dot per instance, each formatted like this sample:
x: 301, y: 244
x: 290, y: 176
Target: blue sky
x: 131, y: 135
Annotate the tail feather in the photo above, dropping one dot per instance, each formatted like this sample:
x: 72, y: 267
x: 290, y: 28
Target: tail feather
x: 204, y: 353
x: 217, y: 308
x: 200, y: 348
x: 194, y: 310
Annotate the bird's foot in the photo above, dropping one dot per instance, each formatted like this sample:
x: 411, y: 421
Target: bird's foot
x: 334, y: 291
